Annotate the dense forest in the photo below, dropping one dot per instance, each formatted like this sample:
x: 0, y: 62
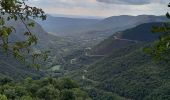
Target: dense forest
x: 43, y: 89
x: 47, y: 57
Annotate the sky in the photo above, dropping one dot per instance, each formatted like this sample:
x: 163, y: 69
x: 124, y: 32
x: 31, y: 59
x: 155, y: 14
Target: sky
x: 102, y: 8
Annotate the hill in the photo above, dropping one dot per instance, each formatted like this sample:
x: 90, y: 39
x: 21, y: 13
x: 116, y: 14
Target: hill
x: 123, y: 39
x: 89, y: 32
x: 130, y: 74
x: 63, y: 26
x: 10, y: 67
x: 125, y: 70
x: 57, y: 45
x: 140, y: 33
x: 119, y: 23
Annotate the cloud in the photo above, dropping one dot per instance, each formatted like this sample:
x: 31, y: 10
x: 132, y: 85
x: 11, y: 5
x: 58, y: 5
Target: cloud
x: 102, y: 7
x: 132, y: 2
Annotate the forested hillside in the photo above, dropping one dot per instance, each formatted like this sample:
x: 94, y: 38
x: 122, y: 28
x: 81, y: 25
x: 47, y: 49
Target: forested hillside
x: 90, y: 32
x: 63, y: 26
x: 121, y: 57
x: 140, y: 33
x: 58, y: 46
x: 131, y: 75
x: 126, y: 69
x: 43, y: 89
x: 116, y: 68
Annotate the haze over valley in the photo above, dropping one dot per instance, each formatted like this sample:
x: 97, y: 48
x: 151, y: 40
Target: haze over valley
x: 97, y: 50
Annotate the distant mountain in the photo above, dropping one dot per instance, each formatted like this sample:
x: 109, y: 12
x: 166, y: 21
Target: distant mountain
x: 76, y: 16
x: 125, y: 69
x: 13, y: 68
x: 119, y: 23
x: 130, y: 73
x: 62, y: 26
x: 66, y: 26
x: 92, y: 31
x: 109, y: 26
x: 57, y: 45
x: 37, y: 30
x: 140, y: 33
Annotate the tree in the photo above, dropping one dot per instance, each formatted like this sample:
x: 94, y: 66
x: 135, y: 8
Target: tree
x: 160, y: 51
x: 26, y: 98
x: 18, y: 10
x: 67, y: 83
x: 67, y: 95
x: 3, y: 97
x: 4, y: 80
x: 48, y: 93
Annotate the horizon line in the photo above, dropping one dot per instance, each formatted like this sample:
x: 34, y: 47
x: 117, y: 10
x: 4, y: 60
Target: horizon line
x: 95, y: 17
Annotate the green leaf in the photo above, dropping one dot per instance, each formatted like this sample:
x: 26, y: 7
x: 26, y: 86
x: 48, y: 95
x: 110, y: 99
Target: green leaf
x: 167, y: 15
x: 31, y: 24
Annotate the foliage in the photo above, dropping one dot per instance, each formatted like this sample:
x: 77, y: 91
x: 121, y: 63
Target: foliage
x: 127, y: 72
x: 162, y: 93
x: 98, y: 94
x: 43, y: 89
x: 160, y: 50
x: 18, y: 10
x: 3, y: 97
x: 133, y: 75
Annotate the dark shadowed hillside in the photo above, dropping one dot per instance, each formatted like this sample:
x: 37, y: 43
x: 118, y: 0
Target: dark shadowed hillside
x: 131, y: 74
x: 115, y: 44
x: 125, y: 22
x: 89, y: 32
x: 62, y: 26
x: 13, y: 68
x: 66, y: 26
x: 140, y: 33
x: 126, y: 69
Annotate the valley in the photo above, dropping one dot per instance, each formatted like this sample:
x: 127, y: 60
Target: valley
x: 84, y: 50
x: 118, y: 65
x: 106, y: 59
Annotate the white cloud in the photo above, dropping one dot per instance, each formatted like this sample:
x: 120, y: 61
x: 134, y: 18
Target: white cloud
x: 133, y: 2
x: 95, y: 8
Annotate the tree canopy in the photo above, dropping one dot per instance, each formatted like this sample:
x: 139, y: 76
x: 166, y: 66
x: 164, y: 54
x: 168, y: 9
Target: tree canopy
x: 43, y: 89
x: 18, y: 10
x: 160, y: 51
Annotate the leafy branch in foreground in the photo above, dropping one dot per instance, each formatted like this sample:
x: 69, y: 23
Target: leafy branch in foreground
x: 18, y: 10
x: 160, y: 51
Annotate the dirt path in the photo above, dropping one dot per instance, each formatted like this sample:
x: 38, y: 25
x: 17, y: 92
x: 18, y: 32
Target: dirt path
x: 116, y: 38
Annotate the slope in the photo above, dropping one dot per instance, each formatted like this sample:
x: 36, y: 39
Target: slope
x: 131, y: 75
x: 126, y: 70
x: 128, y: 38
x: 12, y: 68
x: 140, y: 33
x: 90, y: 32
x: 62, y: 26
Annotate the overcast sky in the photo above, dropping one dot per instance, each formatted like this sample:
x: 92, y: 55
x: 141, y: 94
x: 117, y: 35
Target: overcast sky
x: 103, y: 8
